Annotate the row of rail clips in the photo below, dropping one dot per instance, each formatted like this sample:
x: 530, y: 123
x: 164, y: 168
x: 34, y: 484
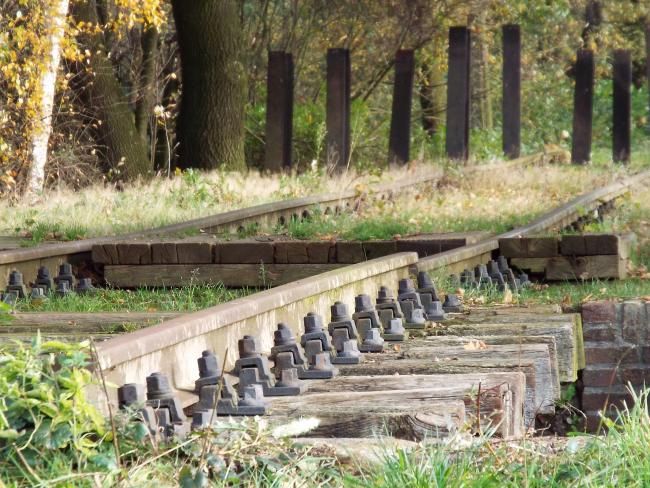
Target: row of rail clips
x: 315, y: 357
x: 61, y: 285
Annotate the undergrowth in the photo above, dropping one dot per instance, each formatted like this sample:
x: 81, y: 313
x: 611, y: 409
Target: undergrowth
x: 189, y: 298
x: 51, y: 435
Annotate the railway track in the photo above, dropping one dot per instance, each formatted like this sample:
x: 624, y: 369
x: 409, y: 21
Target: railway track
x: 487, y: 369
x: 78, y: 253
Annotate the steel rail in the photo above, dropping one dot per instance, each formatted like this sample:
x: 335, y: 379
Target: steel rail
x: 171, y: 346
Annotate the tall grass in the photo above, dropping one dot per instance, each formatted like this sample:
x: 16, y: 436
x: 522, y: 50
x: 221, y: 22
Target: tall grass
x: 617, y: 459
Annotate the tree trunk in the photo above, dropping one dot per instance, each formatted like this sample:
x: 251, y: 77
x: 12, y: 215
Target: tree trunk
x: 211, y: 121
x: 432, y: 96
x: 47, y: 87
x: 126, y: 153
x: 144, y: 105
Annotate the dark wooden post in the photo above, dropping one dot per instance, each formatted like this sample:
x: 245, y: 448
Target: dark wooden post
x: 400, y: 123
x: 511, y: 103
x: 622, y: 75
x: 338, y: 108
x: 583, y: 98
x: 458, y: 90
x: 279, y: 111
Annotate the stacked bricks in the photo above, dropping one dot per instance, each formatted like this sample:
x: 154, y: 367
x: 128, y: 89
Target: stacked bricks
x: 617, y: 349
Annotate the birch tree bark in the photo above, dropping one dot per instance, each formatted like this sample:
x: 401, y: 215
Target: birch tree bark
x: 43, y: 125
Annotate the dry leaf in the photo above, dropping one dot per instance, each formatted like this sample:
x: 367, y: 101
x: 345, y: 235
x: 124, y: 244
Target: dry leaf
x: 507, y: 296
x: 460, y: 292
x: 475, y: 345
x: 566, y: 301
x: 397, y: 347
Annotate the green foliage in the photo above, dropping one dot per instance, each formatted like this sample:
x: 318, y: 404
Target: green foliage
x: 38, y: 231
x: 188, y: 298
x: 45, y: 417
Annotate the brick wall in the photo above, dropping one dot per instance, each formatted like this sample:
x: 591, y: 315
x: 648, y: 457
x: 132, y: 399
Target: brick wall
x: 617, y: 349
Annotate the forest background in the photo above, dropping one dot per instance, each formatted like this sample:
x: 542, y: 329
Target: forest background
x: 113, y: 90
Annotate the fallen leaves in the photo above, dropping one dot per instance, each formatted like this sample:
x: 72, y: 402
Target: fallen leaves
x: 475, y: 345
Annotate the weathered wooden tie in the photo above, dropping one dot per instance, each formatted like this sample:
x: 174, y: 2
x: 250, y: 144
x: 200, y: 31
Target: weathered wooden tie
x: 499, y: 397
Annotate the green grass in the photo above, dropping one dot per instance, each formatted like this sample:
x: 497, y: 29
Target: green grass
x: 618, y: 459
x: 189, y: 298
x: 567, y: 293
x: 37, y: 232
x: 351, y: 227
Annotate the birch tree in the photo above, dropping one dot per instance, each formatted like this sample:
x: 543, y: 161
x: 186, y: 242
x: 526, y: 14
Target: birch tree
x: 58, y: 10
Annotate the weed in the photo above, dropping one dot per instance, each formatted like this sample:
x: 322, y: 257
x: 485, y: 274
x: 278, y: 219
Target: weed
x: 188, y: 298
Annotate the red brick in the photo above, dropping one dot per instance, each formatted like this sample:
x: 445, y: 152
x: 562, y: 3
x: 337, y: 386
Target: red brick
x: 599, y: 312
x: 634, y: 321
x: 638, y: 375
x: 601, y: 377
x: 599, y: 333
x: 645, y: 354
x: 609, y: 354
x: 597, y: 400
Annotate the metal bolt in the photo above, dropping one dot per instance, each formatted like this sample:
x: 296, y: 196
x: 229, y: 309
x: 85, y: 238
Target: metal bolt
x: 158, y: 387
x: 283, y: 335
x: 313, y: 323
x: 339, y: 312
x: 363, y: 303
x: 85, y: 285
x: 15, y: 278
x: 405, y: 286
x: 130, y: 394
x: 248, y: 347
x: 384, y: 295
x: 208, y: 365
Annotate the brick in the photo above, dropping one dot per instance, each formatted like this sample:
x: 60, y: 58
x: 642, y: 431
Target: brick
x: 598, y: 399
x: 598, y: 353
x: 242, y: 252
x: 349, y: 252
x: 638, y: 375
x: 634, y: 321
x: 599, y: 332
x: 645, y: 354
x: 599, y: 312
x: 378, y: 249
x: 321, y: 252
x: 600, y: 377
